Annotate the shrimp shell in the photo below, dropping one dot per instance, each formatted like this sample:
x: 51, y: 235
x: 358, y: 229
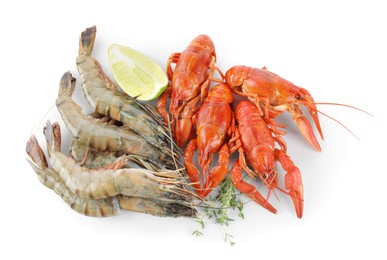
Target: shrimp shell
x: 92, y: 158
x: 155, y: 207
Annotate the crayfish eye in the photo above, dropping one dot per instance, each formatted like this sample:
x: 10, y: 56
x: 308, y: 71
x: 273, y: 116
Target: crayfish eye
x: 180, y: 102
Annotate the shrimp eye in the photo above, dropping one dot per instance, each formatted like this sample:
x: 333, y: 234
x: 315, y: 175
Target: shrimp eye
x: 180, y: 102
x: 299, y: 97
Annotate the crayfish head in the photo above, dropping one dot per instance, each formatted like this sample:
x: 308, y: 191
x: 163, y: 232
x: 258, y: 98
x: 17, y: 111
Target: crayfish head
x: 181, y: 94
x: 177, y: 104
x: 297, y: 97
x: 263, y: 160
x: 303, y: 97
x: 209, y: 143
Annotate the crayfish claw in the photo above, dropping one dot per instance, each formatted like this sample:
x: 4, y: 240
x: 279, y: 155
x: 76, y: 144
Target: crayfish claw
x: 307, y: 131
x: 298, y: 202
x: 293, y: 183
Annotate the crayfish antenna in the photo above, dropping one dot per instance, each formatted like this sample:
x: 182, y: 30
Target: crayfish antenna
x: 337, y: 121
x: 344, y: 105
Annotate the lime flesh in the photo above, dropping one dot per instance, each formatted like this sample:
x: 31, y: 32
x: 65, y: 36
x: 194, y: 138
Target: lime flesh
x: 136, y: 74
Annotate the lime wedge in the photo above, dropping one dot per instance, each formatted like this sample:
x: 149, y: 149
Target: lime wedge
x: 136, y: 74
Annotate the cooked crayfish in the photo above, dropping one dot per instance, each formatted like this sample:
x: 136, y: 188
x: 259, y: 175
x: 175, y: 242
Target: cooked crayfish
x: 273, y: 95
x: 191, y: 78
x: 256, y: 145
x: 214, y: 123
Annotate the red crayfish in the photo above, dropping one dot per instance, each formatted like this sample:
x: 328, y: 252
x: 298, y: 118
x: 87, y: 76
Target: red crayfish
x: 207, y: 119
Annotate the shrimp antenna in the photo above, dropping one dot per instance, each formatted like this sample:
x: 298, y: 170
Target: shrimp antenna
x: 344, y: 105
x: 36, y: 127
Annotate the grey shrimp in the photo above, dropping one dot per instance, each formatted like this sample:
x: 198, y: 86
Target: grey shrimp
x: 92, y: 158
x: 102, y: 183
x: 104, y: 137
x: 51, y: 179
x: 102, y: 94
x: 98, y: 207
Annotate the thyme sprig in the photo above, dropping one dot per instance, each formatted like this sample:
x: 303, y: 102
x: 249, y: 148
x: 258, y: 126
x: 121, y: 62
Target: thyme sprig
x: 228, y: 198
x: 218, y: 209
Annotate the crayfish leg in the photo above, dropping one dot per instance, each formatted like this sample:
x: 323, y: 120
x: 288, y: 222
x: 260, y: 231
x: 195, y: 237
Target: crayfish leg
x: 248, y: 189
x: 217, y: 173
x: 191, y: 169
x: 293, y: 182
x: 162, y: 103
x: 173, y: 58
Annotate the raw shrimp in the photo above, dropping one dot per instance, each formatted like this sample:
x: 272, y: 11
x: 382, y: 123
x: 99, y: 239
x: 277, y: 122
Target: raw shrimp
x: 51, y: 179
x: 155, y: 207
x: 102, y: 183
x: 104, y: 136
x: 98, y: 207
x: 102, y: 94
x: 92, y: 158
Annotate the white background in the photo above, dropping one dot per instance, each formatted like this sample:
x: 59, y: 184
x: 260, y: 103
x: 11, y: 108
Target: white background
x: 335, y: 49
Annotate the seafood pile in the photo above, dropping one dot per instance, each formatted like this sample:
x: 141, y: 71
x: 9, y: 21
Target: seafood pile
x: 124, y: 155
x: 121, y: 156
